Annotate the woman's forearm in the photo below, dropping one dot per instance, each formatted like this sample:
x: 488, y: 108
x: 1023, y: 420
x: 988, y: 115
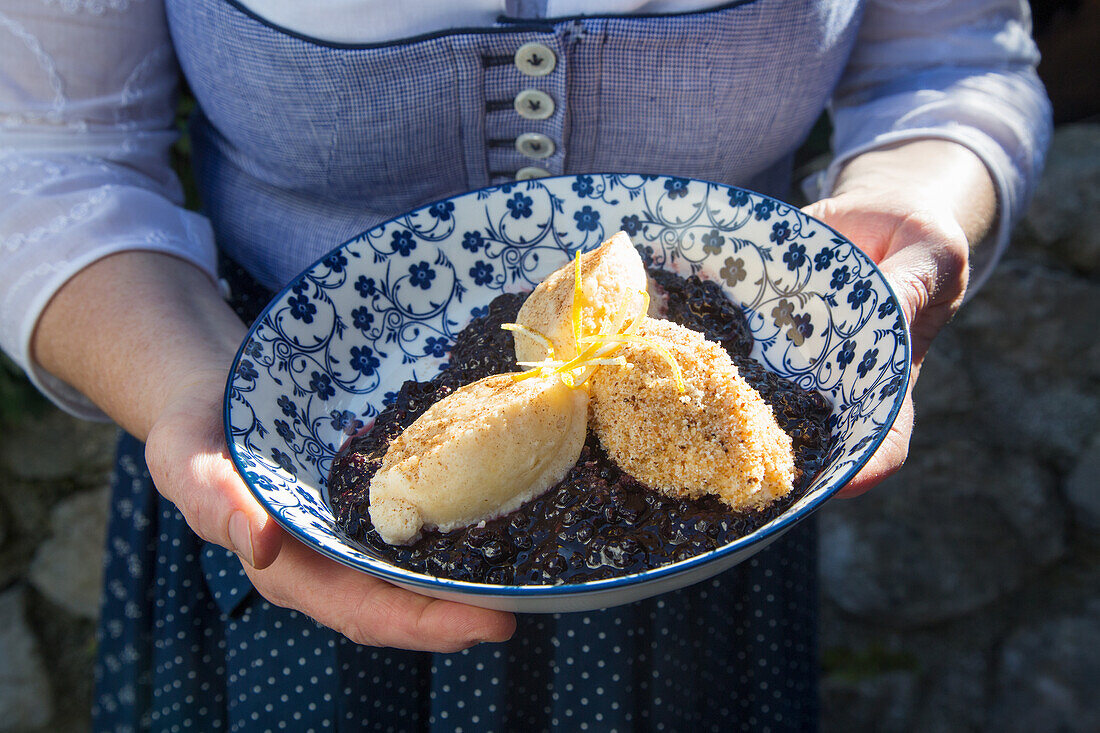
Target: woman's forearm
x: 134, y: 328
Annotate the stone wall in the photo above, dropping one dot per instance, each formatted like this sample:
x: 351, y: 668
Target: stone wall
x: 962, y: 594
x: 54, y: 474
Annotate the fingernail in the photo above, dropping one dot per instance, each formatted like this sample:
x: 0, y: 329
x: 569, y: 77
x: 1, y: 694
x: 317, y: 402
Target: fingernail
x: 475, y: 642
x: 240, y: 534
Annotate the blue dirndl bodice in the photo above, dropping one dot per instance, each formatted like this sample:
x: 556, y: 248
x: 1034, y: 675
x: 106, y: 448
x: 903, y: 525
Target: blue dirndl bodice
x: 301, y: 144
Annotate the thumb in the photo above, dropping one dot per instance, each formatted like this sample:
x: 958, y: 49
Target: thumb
x: 890, y: 455
x: 249, y: 530
x: 191, y: 467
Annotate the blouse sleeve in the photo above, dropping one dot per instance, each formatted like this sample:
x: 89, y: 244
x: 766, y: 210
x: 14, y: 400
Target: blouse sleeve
x: 87, y: 109
x: 960, y: 70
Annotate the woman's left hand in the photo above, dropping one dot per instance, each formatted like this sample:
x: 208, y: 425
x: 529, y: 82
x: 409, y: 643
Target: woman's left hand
x: 915, y: 209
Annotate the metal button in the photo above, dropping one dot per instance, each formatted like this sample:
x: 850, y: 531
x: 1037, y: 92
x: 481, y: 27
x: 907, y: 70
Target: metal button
x: 535, y: 145
x: 534, y: 105
x: 531, y: 171
x: 535, y: 59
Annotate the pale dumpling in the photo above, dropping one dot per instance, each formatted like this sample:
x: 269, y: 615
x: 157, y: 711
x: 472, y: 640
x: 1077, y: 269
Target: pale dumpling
x: 478, y: 454
x: 612, y: 279
x: 717, y: 437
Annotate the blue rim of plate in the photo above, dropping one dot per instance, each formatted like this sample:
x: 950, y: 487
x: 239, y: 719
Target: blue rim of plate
x: 387, y: 571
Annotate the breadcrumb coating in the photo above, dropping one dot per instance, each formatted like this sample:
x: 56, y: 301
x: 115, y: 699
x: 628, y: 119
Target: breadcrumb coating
x: 717, y: 437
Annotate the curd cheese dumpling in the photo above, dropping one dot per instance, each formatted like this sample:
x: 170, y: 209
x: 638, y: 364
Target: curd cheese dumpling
x: 612, y: 279
x: 478, y: 454
x: 717, y: 436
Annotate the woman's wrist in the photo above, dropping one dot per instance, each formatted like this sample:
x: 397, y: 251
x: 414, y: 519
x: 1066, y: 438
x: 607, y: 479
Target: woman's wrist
x: 928, y: 176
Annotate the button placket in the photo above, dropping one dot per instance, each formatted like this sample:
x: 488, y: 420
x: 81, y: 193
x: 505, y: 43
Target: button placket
x: 523, y: 123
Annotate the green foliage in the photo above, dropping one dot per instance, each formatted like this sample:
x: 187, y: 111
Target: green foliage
x: 857, y: 664
x: 816, y: 142
x: 181, y: 151
x: 17, y: 396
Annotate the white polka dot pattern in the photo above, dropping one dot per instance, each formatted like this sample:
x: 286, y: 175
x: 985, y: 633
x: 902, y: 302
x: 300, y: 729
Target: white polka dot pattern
x: 186, y: 644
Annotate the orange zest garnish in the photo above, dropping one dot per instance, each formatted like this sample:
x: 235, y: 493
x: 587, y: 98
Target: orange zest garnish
x: 677, y: 374
x: 596, y: 349
x: 578, y: 300
x: 533, y: 334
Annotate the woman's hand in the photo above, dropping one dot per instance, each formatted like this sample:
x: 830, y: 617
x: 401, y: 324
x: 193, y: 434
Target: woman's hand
x: 148, y: 339
x: 188, y: 461
x: 915, y: 209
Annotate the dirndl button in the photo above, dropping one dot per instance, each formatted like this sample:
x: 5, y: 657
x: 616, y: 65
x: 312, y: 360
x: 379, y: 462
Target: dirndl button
x: 535, y: 145
x: 532, y: 104
x: 531, y: 171
x: 535, y: 59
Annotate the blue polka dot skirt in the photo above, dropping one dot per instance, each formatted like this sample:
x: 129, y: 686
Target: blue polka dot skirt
x: 186, y: 644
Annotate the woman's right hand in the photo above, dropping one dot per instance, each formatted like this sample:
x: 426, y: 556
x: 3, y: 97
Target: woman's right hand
x: 188, y: 461
x: 147, y: 337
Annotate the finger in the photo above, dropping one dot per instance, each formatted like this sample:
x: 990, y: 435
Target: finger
x: 227, y: 502
x: 370, y: 611
x: 911, y: 286
x: 893, y: 451
x: 190, y: 466
x: 889, y: 457
x: 929, y: 275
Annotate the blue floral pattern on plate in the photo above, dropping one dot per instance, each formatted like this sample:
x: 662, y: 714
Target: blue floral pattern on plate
x: 328, y: 352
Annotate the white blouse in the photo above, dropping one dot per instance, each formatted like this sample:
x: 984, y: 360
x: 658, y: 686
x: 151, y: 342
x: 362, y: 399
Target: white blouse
x: 87, y: 119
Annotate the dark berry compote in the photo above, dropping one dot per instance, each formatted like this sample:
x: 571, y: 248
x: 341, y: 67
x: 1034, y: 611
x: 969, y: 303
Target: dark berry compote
x: 598, y: 522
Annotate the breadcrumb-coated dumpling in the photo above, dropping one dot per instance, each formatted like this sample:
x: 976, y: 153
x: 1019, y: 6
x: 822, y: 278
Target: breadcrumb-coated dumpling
x: 717, y: 437
x: 612, y: 278
x: 477, y: 454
